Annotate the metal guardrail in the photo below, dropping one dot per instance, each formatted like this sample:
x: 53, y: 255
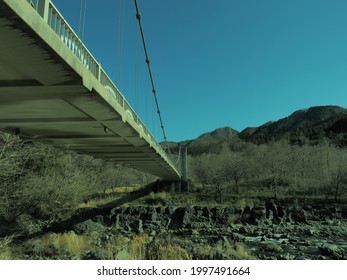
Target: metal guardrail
x: 60, y: 26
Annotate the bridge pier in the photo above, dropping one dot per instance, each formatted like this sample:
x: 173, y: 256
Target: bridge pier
x: 184, y: 169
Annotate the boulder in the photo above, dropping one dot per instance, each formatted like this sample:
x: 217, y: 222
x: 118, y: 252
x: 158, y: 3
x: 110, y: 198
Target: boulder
x: 273, y: 247
x: 332, y: 250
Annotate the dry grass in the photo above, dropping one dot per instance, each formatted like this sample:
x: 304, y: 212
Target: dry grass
x: 93, y: 203
x: 5, y: 249
x: 67, y: 243
x: 125, y: 189
x: 169, y: 251
x: 241, y: 252
x: 124, y: 248
x: 140, y: 247
x: 109, y: 196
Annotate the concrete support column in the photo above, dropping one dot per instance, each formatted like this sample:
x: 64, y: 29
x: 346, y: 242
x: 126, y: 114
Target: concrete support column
x: 184, y: 168
x: 43, y: 9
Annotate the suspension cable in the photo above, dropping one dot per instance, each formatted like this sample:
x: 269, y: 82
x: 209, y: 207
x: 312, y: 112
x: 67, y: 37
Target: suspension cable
x: 137, y: 72
x: 82, y: 19
x: 120, y: 42
x: 138, y: 16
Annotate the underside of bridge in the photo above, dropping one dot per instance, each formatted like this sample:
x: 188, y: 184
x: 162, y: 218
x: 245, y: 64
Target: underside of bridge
x: 47, y: 94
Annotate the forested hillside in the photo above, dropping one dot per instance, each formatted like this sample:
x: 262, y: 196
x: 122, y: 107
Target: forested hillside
x: 302, y: 155
x: 308, y: 126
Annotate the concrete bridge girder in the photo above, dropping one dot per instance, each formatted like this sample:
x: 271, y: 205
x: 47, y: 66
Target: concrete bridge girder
x: 47, y: 93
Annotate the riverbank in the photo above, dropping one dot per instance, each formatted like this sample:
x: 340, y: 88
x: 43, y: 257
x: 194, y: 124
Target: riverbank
x: 265, y: 230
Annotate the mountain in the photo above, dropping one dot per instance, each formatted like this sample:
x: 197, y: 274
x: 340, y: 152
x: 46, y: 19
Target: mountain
x: 208, y: 142
x: 311, y: 125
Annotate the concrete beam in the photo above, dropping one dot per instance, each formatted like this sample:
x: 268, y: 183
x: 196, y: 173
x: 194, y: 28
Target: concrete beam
x: 48, y: 93
x: 55, y: 121
x: 41, y: 91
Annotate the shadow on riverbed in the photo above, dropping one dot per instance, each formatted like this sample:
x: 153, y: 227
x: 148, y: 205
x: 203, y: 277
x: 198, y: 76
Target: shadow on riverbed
x: 102, y: 210
x: 87, y: 214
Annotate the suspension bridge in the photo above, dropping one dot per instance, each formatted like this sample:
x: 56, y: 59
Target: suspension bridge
x: 53, y: 90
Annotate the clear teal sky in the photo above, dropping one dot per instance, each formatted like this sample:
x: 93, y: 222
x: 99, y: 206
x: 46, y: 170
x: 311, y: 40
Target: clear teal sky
x: 219, y: 63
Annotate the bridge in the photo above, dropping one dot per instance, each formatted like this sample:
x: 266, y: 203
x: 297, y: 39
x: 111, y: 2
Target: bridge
x: 53, y: 90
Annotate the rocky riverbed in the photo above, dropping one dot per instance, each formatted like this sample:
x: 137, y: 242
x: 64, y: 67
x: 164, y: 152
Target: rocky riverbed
x: 269, y: 230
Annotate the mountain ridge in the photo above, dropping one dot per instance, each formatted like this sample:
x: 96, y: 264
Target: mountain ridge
x: 309, y: 125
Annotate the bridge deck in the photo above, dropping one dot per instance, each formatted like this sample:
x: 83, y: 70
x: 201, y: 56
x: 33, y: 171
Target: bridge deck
x: 47, y: 92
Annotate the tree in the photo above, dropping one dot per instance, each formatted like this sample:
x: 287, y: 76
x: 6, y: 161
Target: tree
x: 336, y: 165
x: 235, y: 168
x: 40, y: 182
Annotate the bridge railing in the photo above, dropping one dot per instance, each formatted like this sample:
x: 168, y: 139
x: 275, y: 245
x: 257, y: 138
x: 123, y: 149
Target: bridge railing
x: 71, y: 40
x: 56, y: 21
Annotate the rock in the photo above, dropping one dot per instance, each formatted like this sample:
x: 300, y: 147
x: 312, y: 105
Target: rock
x: 243, y: 230
x: 137, y: 226
x: 229, y: 229
x: 170, y: 210
x: 307, y: 242
x: 238, y: 237
x: 331, y: 250
x: 286, y: 256
x: 302, y: 248
x: 311, y: 231
x: 258, y: 232
x: 273, y: 247
x: 187, y: 216
x: 98, y: 219
x: 279, y: 236
x: 257, y: 215
x: 127, y: 228
x: 344, y: 213
x: 87, y: 227
x: 299, y: 215
x: 271, y: 210
x: 220, y: 212
x: 283, y: 241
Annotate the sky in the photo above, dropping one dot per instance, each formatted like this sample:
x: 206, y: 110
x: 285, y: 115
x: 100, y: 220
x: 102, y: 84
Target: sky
x: 217, y: 63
